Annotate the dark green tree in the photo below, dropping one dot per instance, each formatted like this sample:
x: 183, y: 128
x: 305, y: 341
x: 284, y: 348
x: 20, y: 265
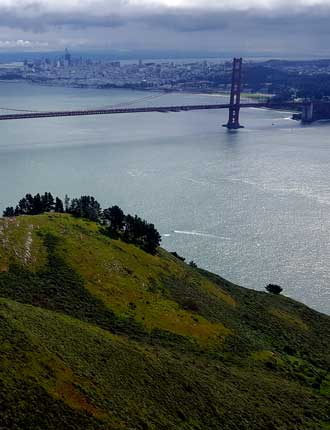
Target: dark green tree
x: 74, y: 208
x: 38, y: 206
x: 25, y: 205
x: 59, y: 205
x: 47, y: 202
x: 66, y: 203
x: 142, y: 234
x: 86, y: 207
x: 152, y: 239
x: 9, y: 212
x: 133, y: 230
x: 114, y: 219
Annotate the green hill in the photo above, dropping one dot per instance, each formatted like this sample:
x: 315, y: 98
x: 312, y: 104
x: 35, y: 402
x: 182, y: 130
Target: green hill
x: 98, y: 334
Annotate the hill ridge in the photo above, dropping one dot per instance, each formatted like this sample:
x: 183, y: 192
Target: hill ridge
x: 106, y: 336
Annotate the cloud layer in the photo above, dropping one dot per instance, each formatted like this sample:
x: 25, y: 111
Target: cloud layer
x: 259, y: 26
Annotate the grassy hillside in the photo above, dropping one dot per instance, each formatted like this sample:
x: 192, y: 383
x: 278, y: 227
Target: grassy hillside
x: 97, y: 334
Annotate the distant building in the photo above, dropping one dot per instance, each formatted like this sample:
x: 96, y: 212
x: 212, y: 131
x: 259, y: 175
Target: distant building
x: 67, y: 58
x: 12, y: 67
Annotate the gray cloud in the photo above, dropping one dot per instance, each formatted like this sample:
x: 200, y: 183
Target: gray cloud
x: 185, y: 21
x: 35, y: 18
x: 254, y: 26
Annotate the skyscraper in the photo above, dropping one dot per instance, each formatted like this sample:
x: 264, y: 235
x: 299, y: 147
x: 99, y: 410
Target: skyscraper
x: 67, y: 57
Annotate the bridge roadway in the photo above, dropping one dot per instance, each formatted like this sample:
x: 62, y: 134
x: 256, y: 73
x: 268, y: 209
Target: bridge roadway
x: 111, y: 111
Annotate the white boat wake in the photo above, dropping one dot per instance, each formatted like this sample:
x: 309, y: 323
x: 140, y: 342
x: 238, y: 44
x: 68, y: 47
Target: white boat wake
x: 197, y: 233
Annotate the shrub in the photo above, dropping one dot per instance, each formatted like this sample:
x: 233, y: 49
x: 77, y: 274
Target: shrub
x: 176, y: 255
x: 274, y: 289
x: 191, y: 305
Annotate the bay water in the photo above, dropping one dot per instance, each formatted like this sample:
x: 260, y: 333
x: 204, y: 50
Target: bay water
x: 252, y: 206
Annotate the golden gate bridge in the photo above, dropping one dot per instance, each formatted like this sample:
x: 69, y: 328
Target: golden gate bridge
x: 234, y: 106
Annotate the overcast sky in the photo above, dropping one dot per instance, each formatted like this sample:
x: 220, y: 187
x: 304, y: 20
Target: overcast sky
x: 265, y: 27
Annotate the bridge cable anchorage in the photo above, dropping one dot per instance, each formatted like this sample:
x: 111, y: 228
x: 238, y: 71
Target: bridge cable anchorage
x: 235, y: 96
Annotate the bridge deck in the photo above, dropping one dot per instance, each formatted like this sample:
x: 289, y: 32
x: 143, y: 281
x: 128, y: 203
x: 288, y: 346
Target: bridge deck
x: 112, y: 111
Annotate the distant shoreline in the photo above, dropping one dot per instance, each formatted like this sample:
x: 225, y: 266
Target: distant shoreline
x: 197, y: 91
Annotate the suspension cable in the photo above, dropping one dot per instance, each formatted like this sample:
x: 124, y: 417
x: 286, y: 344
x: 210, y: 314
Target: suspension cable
x: 118, y: 105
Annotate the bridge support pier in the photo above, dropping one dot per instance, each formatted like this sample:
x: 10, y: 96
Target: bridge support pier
x: 235, y: 96
x: 307, y: 113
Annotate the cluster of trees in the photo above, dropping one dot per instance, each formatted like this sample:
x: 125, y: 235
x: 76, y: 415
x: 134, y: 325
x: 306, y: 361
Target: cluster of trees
x: 131, y: 229
x: 34, y: 205
x: 84, y: 207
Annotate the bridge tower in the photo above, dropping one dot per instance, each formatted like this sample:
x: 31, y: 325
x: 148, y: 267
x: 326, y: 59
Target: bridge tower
x: 235, y: 96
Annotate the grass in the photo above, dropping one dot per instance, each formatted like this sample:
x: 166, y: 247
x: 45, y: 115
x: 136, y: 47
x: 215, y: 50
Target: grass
x: 97, y: 334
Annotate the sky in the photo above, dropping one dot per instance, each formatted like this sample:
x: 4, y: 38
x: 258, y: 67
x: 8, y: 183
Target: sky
x: 270, y: 28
